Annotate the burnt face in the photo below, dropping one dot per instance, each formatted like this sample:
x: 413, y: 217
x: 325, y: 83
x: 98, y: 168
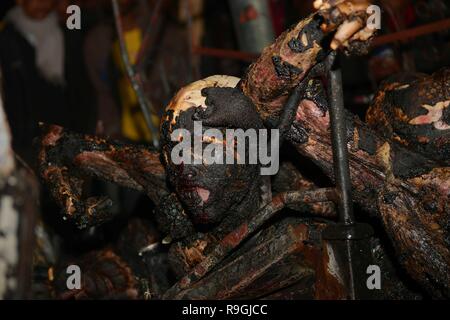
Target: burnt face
x: 208, y: 191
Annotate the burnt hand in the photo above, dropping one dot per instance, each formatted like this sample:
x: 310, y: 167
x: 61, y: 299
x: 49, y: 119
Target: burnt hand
x: 172, y: 219
x: 227, y: 108
x: 93, y: 211
x: 348, y: 19
x: 66, y: 158
x: 57, y: 148
x: 67, y: 192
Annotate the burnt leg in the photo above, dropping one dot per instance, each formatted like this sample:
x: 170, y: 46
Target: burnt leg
x: 237, y: 236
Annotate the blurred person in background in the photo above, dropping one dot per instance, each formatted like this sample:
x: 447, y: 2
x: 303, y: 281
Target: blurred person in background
x: 97, y: 55
x: 119, y: 113
x: 166, y: 66
x: 166, y: 69
x: 44, y: 77
x: 134, y: 19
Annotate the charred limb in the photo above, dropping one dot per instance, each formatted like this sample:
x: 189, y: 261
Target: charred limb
x: 237, y: 236
x: 270, y: 80
x: 65, y: 158
x: 376, y: 166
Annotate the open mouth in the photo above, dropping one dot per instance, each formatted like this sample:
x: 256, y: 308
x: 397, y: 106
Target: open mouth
x: 196, y: 195
x: 203, y: 193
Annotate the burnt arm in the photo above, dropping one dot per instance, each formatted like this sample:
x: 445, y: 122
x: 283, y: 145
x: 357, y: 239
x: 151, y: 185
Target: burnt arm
x: 133, y: 167
x: 283, y: 65
x: 66, y: 158
x: 371, y: 152
x: 84, y: 154
x: 379, y: 156
x: 290, y: 178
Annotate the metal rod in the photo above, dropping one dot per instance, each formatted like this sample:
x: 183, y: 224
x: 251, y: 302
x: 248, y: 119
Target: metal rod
x: 339, y: 144
x: 340, y: 159
x: 403, y: 35
x: 135, y: 83
x: 412, y: 33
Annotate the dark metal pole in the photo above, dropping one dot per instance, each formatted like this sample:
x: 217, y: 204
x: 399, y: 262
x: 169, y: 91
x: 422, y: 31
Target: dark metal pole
x: 340, y: 158
x: 339, y: 143
x: 347, y: 239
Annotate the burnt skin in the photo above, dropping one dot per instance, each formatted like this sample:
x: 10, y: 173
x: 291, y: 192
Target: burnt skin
x: 285, y: 69
x: 310, y: 33
x: 413, y: 110
x: 66, y: 159
x: 228, y: 108
x: 214, y: 194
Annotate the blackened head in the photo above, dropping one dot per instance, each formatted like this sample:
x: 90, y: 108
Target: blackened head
x: 209, y: 190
